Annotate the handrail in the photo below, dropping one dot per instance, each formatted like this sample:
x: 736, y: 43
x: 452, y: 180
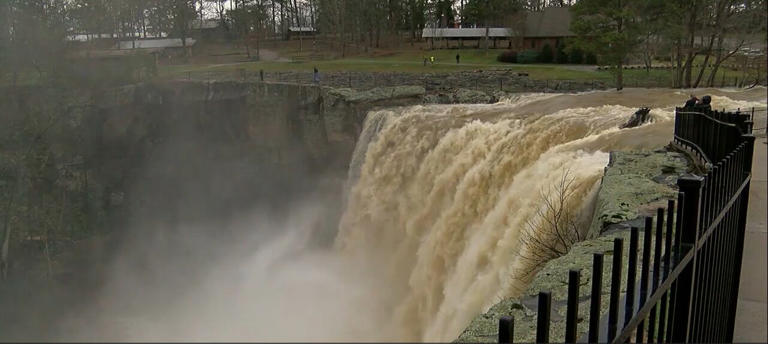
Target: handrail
x: 712, y: 119
x: 663, y: 288
x: 695, y: 146
x: 724, y: 211
x: 640, y: 316
x: 710, y: 133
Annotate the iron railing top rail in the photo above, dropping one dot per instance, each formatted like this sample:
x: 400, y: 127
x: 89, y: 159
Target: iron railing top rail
x: 695, y: 147
x: 708, y: 231
x: 709, y: 117
x: 642, y: 313
x: 736, y: 122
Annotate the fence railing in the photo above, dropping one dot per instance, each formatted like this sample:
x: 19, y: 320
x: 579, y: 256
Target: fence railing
x: 710, y: 135
x: 688, y: 286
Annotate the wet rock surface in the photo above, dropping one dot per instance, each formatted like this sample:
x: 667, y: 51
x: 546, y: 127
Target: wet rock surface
x: 552, y: 277
x: 635, y: 184
x: 638, y: 118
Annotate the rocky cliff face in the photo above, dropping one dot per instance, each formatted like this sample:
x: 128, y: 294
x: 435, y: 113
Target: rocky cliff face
x: 164, y: 169
x: 245, y: 143
x: 181, y: 152
x: 321, y: 122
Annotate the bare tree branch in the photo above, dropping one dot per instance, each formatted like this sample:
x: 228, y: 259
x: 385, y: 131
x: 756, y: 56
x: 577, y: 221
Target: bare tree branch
x: 554, y: 228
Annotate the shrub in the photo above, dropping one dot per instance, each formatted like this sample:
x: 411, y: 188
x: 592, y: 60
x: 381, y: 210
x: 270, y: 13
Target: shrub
x: 591, y: 59
x: 508, y: 56
x: 546, y: 54
x: 107, y: 71
x: 528, y: 56
x: 576, y: 57
x: 561, y: 57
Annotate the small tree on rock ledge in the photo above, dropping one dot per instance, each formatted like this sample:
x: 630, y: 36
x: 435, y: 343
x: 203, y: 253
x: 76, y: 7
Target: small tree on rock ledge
x: 554, y: 228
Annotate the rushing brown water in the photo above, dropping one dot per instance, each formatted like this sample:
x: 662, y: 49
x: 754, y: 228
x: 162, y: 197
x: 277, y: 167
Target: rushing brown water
x: 444, y: 192
x: 430, y: 237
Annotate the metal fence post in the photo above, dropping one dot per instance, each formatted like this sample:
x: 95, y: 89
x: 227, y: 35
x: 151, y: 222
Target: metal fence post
x: 506, y: 329
x: 572, y: 312
x: 691, y: 188
x: 613, y: 307
x: 543, y: 317
x: 677, y: 253
x: 597, y: 291
x: 656, y: 274
x: 631, y: 274
x: 742, y: 225
x: 665, y: 273
x: 644, y: 272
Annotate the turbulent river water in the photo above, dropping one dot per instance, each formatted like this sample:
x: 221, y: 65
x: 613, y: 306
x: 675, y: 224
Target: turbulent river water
x: 430, y: 236
x: 443, y: 192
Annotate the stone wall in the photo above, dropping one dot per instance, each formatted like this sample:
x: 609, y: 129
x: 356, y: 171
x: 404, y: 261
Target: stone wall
x: 487, y: 80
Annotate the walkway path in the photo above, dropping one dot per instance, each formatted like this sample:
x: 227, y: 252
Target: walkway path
x: 752, y: 311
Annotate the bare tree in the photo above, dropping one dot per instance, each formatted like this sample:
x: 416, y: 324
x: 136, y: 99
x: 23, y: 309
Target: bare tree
x: 554, y: 228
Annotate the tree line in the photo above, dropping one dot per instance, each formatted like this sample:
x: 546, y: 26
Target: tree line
x: 695, y: 36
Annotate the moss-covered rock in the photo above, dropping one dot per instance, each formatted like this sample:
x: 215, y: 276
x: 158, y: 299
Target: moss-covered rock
x: 634, y: 183
x: 462, y: 96
x: 553, y: 277
x: 376, y: 94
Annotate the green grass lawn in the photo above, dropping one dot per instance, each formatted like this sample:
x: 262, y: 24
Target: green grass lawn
x: 405, y: 61
x: 411, y: 61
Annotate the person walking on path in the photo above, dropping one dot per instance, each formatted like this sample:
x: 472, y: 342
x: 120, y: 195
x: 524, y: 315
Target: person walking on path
x: 425, y: 60
x: 432, y: 60
x: 458, y: 57
x: 316, y: 76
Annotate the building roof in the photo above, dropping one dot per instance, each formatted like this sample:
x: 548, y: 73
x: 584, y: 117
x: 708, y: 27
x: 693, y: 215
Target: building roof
x: 198, y: 24
x: 551, y: 22
x: 154, y: 43
x: 465, y: 32
x: 301, y: 29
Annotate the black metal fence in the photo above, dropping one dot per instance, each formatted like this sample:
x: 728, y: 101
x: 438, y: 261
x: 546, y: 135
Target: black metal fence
x: 691, y: 258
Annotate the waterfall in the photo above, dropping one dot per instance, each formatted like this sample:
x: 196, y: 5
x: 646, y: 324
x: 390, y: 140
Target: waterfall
x: 438, y: 199
x: 443, y: 193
